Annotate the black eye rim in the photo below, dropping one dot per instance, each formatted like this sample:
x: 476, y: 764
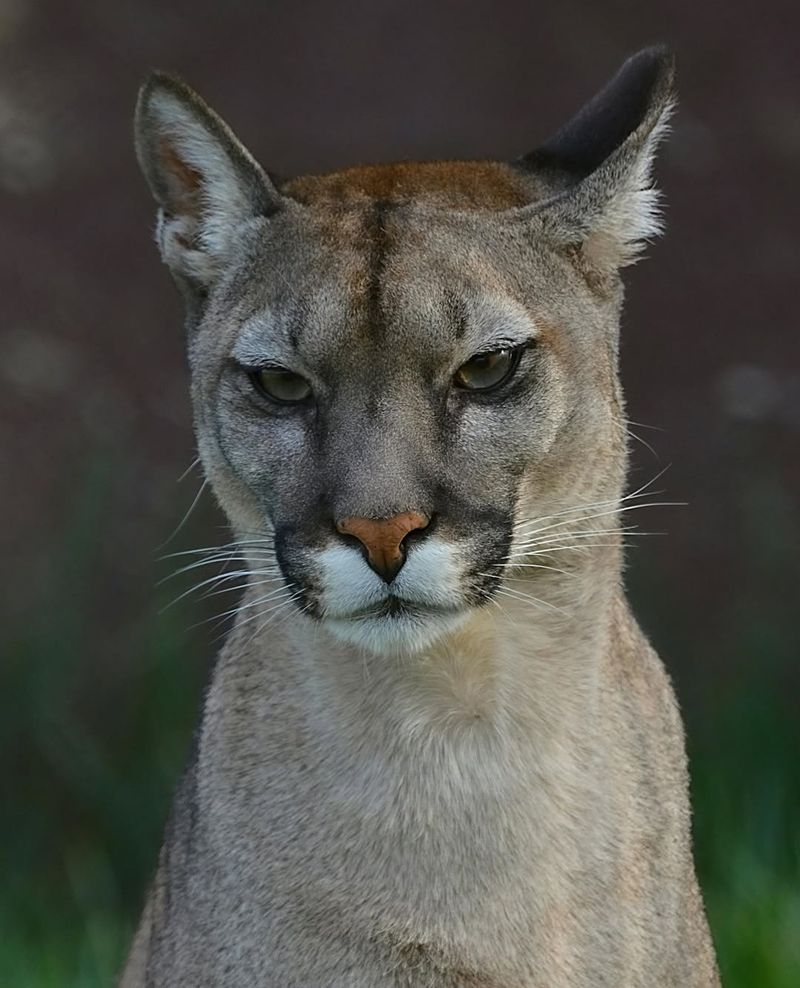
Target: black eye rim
x: 516, y: 351
x: 252, y: 373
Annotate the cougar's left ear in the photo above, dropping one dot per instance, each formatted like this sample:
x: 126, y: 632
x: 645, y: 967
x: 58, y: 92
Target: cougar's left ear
x: 206, y: 183
x: 600, y: 164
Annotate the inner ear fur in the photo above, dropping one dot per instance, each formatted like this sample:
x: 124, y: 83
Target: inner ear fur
x: 205, y: 182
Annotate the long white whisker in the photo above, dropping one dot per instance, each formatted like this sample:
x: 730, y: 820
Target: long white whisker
x: 643, y: 425
x: 644, y: 442
x: 519, y: 595
x: 587, y: 506
x: 226, y: 560
x: 277, y: 607
x: 241, y: 608
x: 553, y: 569
x: 217, y: 578
x: 639, y: 492
x: 531, y: 545
x: 618, y: 509
x: 563, y: 548
x: 239, y: 624
x: 613, y: 507
x: 560, y: 536
x: 270, y: 576
x: 188, y: 470
x: 265, y: 544
x: 185, y: 518
x: 564, y: 536
x: 504, y: 575
x: 226, y: 555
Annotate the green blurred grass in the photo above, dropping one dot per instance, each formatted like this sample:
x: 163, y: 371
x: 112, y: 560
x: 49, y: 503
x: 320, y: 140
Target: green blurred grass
x: 747, y: 843
x: 91, y: 784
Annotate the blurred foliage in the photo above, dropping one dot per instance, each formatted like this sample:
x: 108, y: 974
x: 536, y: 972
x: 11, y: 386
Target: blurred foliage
x: 747, y: 842
x: 90, y: 785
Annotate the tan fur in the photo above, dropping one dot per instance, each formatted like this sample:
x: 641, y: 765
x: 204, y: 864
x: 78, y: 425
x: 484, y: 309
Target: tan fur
x: 468, y: 773
x: 447, y: 184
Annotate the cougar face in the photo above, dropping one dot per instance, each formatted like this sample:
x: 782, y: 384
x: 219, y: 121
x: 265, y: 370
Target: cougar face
x: 393, y: 366
x: 376, y: 310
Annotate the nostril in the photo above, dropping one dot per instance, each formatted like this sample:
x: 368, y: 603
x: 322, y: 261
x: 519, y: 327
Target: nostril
x: 420, y: 532
x: 350, y: 539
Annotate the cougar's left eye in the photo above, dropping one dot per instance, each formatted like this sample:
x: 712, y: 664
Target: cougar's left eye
x: 281, y: 385
x: 488, y: 370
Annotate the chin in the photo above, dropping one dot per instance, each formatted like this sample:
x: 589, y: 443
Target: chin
x: 404, y: 633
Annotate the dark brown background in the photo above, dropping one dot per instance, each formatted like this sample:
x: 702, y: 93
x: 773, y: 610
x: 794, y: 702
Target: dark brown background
x: 95, y: 417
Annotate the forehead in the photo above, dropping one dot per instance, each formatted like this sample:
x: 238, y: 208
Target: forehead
x: 378, y: 280
x: 372, y: 257
x: 462, y: 185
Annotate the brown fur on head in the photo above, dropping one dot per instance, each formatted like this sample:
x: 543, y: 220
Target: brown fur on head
x: 368, y: 292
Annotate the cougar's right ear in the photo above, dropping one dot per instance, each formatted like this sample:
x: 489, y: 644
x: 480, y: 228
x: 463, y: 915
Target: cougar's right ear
x: 206, y: 183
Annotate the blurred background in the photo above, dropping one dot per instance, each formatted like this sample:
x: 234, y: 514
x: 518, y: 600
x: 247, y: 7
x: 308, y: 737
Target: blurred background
x: 100, y: 683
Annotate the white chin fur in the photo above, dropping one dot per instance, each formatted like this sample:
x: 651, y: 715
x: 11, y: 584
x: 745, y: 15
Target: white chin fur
x: 403, y: 633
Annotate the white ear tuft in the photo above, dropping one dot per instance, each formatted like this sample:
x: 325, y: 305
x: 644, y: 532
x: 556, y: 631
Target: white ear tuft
x: 633, y: 217
x: 204, y: 180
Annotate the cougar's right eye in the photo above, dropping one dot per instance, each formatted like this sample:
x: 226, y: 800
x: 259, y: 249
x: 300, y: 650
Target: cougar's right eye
x: 280, y: 385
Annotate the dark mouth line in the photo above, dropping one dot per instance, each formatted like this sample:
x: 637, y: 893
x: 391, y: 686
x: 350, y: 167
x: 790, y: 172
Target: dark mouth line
x: 394, y: 607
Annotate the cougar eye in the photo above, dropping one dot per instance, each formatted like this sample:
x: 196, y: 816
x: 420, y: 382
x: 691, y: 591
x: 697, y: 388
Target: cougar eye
x: 488, y: 370
x: 281, y: 385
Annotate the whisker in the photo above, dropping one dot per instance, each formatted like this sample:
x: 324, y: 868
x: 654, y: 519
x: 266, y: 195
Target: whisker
x: 185, y: 518
x: 563, y: 536
x: 503, y: 575
x: 217, y: 578
x: 226, y: 559
x: 639, y: 492
x: 564, y: 548
x: 519, y: 595
x: 278, y: 608
x: 642, y: 425
x: 644, y: 442
x: 217, y: 557
x: 241, y: 608
x: 253, y: 617
x: 490, y: 598
x: 195, y: 462
x: 270, y: 577
x: 234, y: 612
x: 605, y: 514
x: 555, y: 569
x: 579, y: 533
x: 265, y: 544
x: 613, y: 509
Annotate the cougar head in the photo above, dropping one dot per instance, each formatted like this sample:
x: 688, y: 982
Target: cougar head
x: 395, y: 367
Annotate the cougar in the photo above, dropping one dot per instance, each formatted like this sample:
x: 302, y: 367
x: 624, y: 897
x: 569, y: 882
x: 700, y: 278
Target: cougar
x: 436, y: 749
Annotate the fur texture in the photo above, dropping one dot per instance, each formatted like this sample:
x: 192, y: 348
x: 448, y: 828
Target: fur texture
x: 472, y: 775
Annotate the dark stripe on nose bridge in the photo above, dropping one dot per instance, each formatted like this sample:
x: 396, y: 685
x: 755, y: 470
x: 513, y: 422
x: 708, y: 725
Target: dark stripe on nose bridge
x: 377, y: 241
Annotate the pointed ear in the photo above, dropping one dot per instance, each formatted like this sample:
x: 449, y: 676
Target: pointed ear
x: 601, y: 162
x: 204, y: 180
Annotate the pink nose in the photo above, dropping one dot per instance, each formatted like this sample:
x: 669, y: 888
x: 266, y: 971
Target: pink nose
x: 383, y: 539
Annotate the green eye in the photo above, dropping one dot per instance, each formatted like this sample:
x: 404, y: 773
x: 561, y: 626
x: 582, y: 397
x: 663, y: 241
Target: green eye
x: 281, y: 385
x: 488, y: 370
